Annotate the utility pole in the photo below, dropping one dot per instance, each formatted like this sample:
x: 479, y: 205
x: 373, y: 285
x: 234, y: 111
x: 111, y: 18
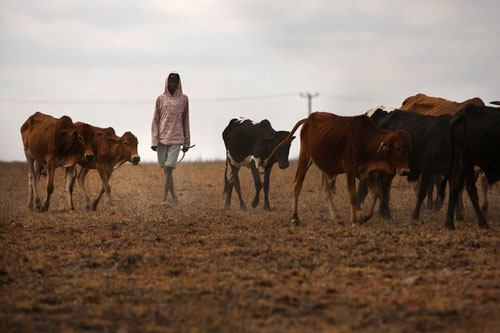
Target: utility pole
x: 309, y: 97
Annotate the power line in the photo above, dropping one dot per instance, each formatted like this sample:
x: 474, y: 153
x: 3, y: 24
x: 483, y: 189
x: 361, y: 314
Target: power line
x: 68, y: 101
x: 241, y: 98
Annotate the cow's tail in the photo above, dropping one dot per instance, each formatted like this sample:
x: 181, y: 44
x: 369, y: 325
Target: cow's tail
x: 453, y: 124
x: 289, y: 138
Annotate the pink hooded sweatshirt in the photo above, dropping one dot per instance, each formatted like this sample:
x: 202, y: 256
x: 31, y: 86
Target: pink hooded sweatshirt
x: 171, y: 118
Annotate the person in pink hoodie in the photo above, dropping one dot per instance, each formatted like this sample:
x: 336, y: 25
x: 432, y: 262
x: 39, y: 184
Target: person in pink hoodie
x: 170, y: 131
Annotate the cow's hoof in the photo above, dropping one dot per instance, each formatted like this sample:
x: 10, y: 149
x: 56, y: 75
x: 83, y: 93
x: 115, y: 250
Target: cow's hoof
x: 243, y: 207
x: 385, y: 213
x: 450, y: 226
x: 484, y: 225
x: 296, y: 222
x: 268, y: 208
x: 255, y: 203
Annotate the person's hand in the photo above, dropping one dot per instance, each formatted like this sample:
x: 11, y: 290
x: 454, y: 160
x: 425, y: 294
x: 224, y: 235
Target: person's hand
x: 185, y: 149
x: 155, y: 148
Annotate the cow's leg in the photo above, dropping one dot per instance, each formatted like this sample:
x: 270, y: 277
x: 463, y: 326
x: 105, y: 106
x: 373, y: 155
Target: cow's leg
x: 50, y: 187
x: 38, y: 170
x: 472, y: 190
x: 456, y: 183
x: 81, y: 182
x: 439, y: 196
x: 267, y: 179
x: 105, y: 188
x: 362, y: 193
x: 374, y: 193
x: 70, y: 180
x: 236, y: 183
x: 422, y: 191
x: 484, y: 190
x: 415, y: 185
x: 302, y: 167
x: 459, y: 204
x: 228, y: 190
x: 430, y: 190
x: 459, y: 210
x: 351, y: 187
x: 328, y: 189
x: 383, y: 187
x: 31, y: 180
x: 258, y: 183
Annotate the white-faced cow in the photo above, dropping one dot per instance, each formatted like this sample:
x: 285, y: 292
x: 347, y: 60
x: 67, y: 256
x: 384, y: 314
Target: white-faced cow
x: 54, y: 143
x: 249, y: 144
x: 350, y: 145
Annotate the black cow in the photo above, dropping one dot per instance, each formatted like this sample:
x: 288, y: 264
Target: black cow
x: 475, y: 135
x: 249, y: 144
x: 377, y: 115
x: 429, y: 157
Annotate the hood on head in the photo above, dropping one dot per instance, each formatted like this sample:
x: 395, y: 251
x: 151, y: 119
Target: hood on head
x: 178, y: 91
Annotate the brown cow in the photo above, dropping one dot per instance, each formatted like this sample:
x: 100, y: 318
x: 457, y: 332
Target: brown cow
x: 111, y: 152
x: 54, y: 143
x: 436, y: 106
x: 351, y: 145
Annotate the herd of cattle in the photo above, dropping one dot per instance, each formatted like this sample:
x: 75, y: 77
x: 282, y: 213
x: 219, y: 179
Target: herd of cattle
x: 50, y: 143
x: 431, y: 141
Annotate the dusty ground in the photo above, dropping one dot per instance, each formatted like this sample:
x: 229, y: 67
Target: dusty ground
x: 198, y: 267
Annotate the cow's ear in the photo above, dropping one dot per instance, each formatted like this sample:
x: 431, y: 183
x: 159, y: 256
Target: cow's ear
x: 383, y: 146
x: 66, y: 132
x: 113, y: 139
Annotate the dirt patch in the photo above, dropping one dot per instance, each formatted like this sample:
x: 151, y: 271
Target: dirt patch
x: 199, y: 267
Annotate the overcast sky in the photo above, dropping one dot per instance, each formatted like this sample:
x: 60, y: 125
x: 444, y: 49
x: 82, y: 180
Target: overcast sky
x: 105, y: 62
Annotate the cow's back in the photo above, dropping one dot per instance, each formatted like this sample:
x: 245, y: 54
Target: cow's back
x: 241, y: 135
x: 436, y: 106
x: 431, y: 144
x: 39, y: 133
x: 329, y: 139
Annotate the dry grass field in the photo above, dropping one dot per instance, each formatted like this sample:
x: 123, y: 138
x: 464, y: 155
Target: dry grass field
x: 198, y: 267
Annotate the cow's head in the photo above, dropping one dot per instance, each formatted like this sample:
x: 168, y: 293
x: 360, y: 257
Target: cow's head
x: 128, y: 148
x: 281, y: 156
x: 394, y: 149
x: 83, y: 135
